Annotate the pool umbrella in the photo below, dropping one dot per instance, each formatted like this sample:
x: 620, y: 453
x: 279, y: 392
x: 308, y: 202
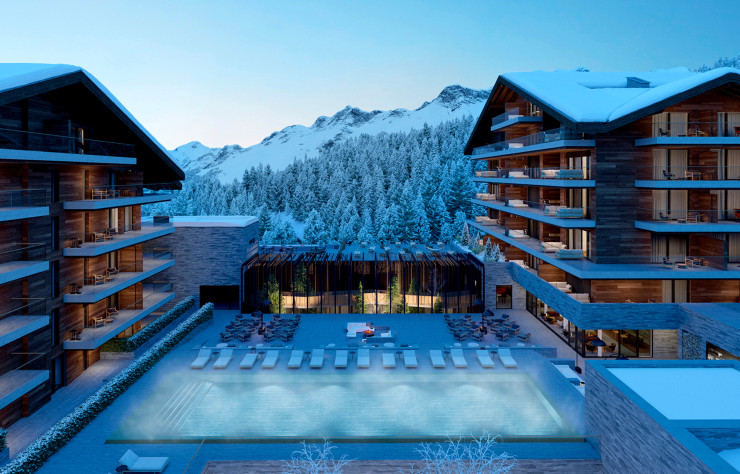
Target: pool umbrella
x: 597, y: 343
x: 621, y: 358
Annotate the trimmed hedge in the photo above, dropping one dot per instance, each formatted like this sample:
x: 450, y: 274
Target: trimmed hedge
x: 34, y: 456
x: 130, y: 344
x: 3, y: 439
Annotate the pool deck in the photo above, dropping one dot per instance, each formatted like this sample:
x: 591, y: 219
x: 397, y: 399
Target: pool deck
x: 88, y: 452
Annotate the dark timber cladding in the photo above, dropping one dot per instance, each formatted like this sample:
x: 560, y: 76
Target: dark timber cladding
x: 361, y: 279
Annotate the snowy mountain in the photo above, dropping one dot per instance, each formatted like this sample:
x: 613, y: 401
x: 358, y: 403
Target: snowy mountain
x: 297, y: 141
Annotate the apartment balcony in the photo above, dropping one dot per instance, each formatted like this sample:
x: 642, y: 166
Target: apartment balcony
x: 535, y: 144
x: 688, y: 220
x: 551, y: 177
x: 23, y: 204
x: 550, y: 213
x: 93, y: 244
x: 692, y: 134
x: 688, y: 177
x: 515, y: 117
x: 21, y: 260
x: 29, y: 371
x: 100, y: 286
x: 27, y: 316
x: 24, y: 146
x: 110, y: 322
x: 93, y: 198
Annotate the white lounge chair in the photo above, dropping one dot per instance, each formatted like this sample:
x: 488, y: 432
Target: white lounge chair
x: 204, y: 355
x: 248, y: 361
x: 270, y: 360
x: 296, y: 360
x: 317, y: 358
x: 438, y: 361
x: 458, y: 358
x: 484, y: 358
x: 506, y: 359
x: 409, y: 359
x: 223, y: 359
x: 340, y: 360
x: 389, y: 360
x: 363, y: 358
x: 135, y: 463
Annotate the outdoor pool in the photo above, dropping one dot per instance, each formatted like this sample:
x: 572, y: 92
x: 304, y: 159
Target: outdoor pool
x: 343, y: 406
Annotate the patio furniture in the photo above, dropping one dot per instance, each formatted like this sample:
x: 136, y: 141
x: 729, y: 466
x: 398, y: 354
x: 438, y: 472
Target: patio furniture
x: 517, y: 202
x: 130, y: 462
x: 458, y: 358
x: 669, y: 176
x: 248, y: 361
x: 270, y: 360
x: 317, y: 359
x: 504, y: 354
x: 525, y: 337
x: 296, y: 360
x: 363, y: 358
x: 389, y: 360
x: 484, y: 358
x: 664, y: 133
x: 409, y: 359
x: 204, y: 355
x: 224, y: 358
x: 340, y: 359
x: 438, y: 361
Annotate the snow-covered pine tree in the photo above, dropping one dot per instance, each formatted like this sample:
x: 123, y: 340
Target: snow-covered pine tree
x: 496, y: 253
x: 265, y: 220
x: 315, y: 231
x: 488, y: 252
x: 465, y: 235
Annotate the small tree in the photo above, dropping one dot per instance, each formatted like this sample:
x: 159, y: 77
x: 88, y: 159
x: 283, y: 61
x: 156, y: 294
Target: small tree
x: 272, y: 293
x: 488, y: 252
x: 315, y: 459
x: 496, y: 253
x: 265, y: 221
x: 359, y: 300
x: 476, y: 456
x: 465, y: 237
x: 438, y: 305
x: 394, y: 295
x: 475, y: 246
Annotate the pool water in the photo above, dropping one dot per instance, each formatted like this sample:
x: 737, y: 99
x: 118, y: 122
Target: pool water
x: 387, y: 406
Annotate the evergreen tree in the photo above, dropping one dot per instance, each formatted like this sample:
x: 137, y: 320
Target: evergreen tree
x: 359, y: 300
x: 447, y: 233
x: 315, y: 231
x: 496, y: 253
x: 394, y: 296
x: 438, y: 217
x: 265, y: 221
x: 488, y: 252
x: 272, y: 293
x: 395, y: 232
x: 420, y: 230
x: 465, y: 236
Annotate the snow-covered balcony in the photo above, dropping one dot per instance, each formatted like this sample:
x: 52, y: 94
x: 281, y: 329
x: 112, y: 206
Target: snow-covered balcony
x: 90, y: 198
x: 692, y: 134
x: 21, y: 260
x: 23, y: 204
x: 28, y: 372
x: 107, y: 240
x: 536, y: 143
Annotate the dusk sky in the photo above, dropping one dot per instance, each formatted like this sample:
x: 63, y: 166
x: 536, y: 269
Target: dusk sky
x: 231, y: 72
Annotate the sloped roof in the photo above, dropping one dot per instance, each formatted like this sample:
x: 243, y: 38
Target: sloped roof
x: 15, y: 76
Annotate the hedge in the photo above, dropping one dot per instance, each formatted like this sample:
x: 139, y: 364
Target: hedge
x: 64, y: 430
x: 3, y: 439
x: 130, y: 344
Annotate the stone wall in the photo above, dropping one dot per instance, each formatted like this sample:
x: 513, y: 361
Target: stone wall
x: 708, y: 329
x: 665, y: 344
x: 497, y: 273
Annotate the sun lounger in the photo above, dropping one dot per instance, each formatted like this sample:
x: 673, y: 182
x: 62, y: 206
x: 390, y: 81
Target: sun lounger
x: 363, y: 358
x: 317, y: 358
x: 204, y: 355
x: 505, y: 355
x: 484, y: 358
x: 248, y: 361
x: 409, y: 359
x: 130, y: 462
x: 458, y: 358
x: 296, y: 360
x: 438, y: 361
x: 389, y: 360
x: 340, y: 360
x: 223, y: 359
x: 270, y: 360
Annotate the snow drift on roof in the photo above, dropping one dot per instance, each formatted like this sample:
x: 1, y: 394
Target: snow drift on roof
x: 605, y: 96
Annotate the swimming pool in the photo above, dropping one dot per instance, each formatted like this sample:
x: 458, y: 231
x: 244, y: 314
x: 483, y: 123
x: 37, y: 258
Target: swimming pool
x: 345, y: 406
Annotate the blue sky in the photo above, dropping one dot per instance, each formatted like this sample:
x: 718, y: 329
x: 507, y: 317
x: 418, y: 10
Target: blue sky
x: 225, y: 72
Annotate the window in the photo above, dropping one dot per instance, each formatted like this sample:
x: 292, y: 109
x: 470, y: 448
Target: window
x: 503, y: 296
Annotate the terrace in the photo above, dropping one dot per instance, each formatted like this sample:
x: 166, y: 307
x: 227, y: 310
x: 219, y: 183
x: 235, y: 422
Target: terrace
x: 28, y: 316
x: 516, y: 116
x: 688, y: 220
x: 28, y: 372
x: 21, y: 260
x: 23, y: 204
x: 105, y: 240
x: 90, y: 198
x: 548, y: 212
x: 690, y: 175
x: 550, y: 176
x: 693, y: 134
x: 535, y: 144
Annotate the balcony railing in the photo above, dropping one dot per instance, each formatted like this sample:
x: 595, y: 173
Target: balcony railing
x: 687, y: 216
x: 545, y: 207
x: 35, y: 141
x: 530, y: 140
x: 536, y: 173
x: 112, y: 274
x: 559, y: 250
x: 102, y: 192
x: 22, y: 252
x: 23, y: 198
x: 689, y: 173
x: 695, y: 129
x: 23, y: 307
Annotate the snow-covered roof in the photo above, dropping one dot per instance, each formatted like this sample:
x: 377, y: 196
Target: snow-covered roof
x: 17, y: 75
x: 605, y: 96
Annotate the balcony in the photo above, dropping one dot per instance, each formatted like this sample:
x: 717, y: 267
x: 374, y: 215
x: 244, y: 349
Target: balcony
x: 554, y: 177
x: 91, y: 198
x: 27, y: 317
x: 688, y: 177
x: 515, y: 116
x: 23, y: 204
x: 111, y: 322
x: 548, y: 212
x: 93, y: 244
x: 43, y: 147
x: 688, y: 220
x: 100, y: 286
x: 21, y: 260
x: 692, y: 134
x: 28, y: 373
x: 535, y: 144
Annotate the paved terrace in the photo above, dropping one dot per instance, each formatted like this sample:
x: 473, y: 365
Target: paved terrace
x: 88, y: 452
